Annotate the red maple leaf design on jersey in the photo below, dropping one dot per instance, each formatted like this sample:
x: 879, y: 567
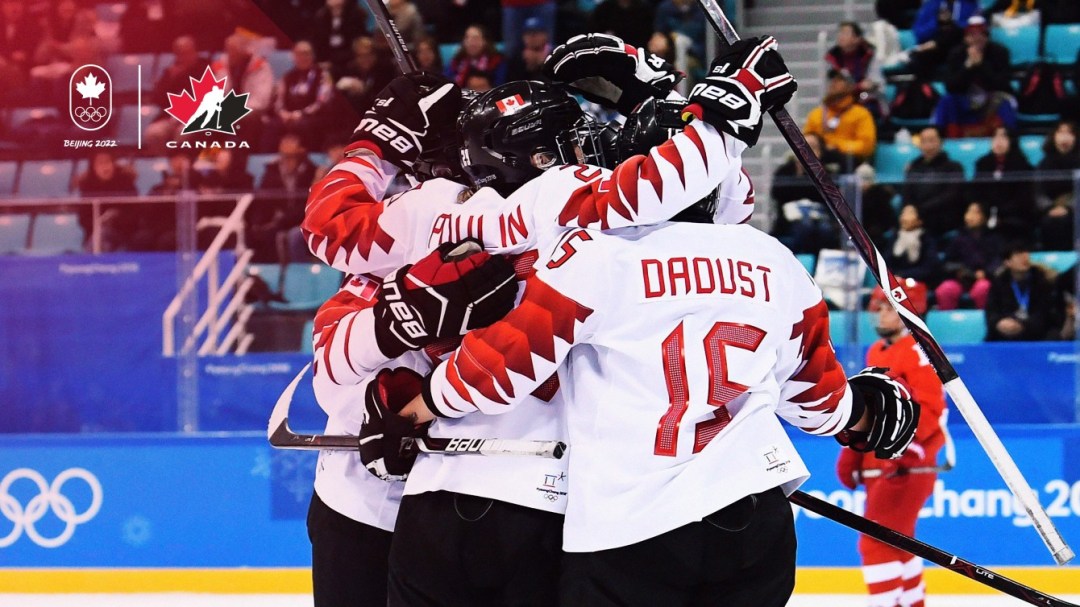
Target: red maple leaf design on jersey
x: 183, y: 106
x: 820, y: 368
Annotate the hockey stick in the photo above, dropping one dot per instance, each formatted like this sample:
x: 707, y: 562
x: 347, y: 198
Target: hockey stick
x: 935, y: 555
x: 283, y: 437
x: 393, y: 37
x: 965, y: 402
x: 877, y: 472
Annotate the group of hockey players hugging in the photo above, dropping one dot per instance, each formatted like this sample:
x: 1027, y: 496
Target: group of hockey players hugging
x: 520, y: 271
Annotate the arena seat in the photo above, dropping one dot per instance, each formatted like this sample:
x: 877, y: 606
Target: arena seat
x: 56, y: 233
x: 45, y: 178
x: 1062, y: 42
x: 124, y: 71
x: 257, y: 165
x: 306, y: 344
x: 891, y: 160
x: 20, y: 116
x: 270, y: 273
x: 280, y: 62
x: 957, y: 326
x: 446, y: 52
x: 1058, y: 261
x: 1032, y: 146
x: 127, y: 123
x: 307, y: 286
x: 148, y: 173
x: 966, y: 151
x: 7, y: 177
x: 1022, y: 42
x: 161, y: 63
x: 808, y: 261
x: 865, y: 333
x: 907, y: 39
x: 14, y: 232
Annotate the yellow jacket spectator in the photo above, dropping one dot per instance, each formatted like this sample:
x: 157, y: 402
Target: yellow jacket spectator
x: 846, y: 126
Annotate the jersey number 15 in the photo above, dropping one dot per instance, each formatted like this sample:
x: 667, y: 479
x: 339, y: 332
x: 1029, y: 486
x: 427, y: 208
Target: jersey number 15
x: 721, y: 390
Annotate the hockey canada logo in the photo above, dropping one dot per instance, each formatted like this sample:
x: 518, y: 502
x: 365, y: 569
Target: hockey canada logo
x: 208, y: 106
x: 90, y: 97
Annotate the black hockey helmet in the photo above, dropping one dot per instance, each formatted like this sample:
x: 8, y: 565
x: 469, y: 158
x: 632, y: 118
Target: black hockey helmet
x: 515, y: 131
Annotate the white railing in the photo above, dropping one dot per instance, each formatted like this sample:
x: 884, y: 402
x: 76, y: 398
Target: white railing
x: 229, y: 292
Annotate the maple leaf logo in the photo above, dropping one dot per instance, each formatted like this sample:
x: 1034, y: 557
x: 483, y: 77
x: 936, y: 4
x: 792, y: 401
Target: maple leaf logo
x: 90, y: 88
x: 207, y: 106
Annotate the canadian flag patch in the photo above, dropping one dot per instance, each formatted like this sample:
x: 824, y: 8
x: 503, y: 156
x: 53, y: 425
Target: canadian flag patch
x: 510, y: 104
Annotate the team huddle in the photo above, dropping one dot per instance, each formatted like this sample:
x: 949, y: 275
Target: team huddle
x: 521, y: 271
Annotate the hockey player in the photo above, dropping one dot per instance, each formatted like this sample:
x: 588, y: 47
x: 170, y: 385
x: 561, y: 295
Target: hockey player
x: 679, y: 503
x: 894, y: 497
x: 350, y: 227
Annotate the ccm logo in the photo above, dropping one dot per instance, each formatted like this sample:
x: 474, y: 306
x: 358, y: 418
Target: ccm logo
x: 464, y: 444
x: 386, y: 133
x: 401, y: 311
x: 719, y: 95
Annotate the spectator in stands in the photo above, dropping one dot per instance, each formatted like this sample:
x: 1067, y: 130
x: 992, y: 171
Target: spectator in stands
x: 477, y: 53
x: 900, y: 13
x: 142, y: 26
x: 631, y: 20
x: 938, y: 28
x: 478, y: 81
x: 854, y: 55
x: 335, y: 28
x: 934, y: 184
x: 365, y: 75
x: 427, y: 57
x: 106, y: 177
x: 187, y: 64
x: 1061, y: 157
x: 408, y: 20
x: 180, y: 175
x: 801, y: 220
x: 663, y: 46
x: 878, y: 217
x: 1022, y: 304
x: 280, y: 206
x: 229, y: 175
x: 845, y: 126
x: 1059, y: 11
x: 251, y: 74
x: 978, y: 98
x: 913, y: 252
x: 19, y: 36
x: 517, y: 14
x: 971, y: 259
x: 535, y: 47
x: 682, y: 17
x: 303, y: 97
x: 1003, y: 184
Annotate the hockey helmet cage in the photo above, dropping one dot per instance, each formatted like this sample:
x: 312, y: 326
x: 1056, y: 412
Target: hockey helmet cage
x: 515, y: 131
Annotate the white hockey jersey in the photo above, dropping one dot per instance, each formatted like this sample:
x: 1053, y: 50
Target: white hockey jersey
x: 350, y: 229
x: 680, y: 344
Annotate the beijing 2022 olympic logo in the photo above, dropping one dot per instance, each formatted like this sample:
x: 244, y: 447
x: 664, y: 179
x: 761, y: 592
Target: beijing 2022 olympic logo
x: 50, y: 498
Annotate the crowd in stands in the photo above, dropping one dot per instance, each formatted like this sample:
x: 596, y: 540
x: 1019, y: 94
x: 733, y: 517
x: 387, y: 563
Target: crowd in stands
x: 924, y: 75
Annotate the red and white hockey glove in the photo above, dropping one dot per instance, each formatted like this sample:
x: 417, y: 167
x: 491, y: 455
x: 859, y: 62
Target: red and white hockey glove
x: 611, y: 73
x: 415, y: 112
x: 456, y: 288
x: 894, y: 417
x: 383, y: 429
x: 746, y: 79
x: 849, y: 467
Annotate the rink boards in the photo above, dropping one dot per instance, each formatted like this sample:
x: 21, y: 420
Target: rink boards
x: 225, y: 513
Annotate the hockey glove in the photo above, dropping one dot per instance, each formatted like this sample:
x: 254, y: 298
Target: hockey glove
x: 894, y: 417
x: 413, y: 113
x: 383, y: 429
x: 609, y: 72
x: 848, y: 467
x: 456, y: 288
x: 745, y: 80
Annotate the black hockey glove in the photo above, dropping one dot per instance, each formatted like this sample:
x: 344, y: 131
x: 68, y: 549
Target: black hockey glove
x: 894, y: 417
x: 456, y: 288
x: 413, y: 113
x: 745, y: 80
x: 383, y: 429
x: 607, y: 71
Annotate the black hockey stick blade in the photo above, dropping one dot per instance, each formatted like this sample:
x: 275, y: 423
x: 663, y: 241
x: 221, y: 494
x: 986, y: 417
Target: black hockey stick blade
x: 282, y: 437
x: 935, y: 555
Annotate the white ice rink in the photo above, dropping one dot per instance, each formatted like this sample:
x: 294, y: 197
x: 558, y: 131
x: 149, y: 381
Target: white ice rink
x: 295, y: 600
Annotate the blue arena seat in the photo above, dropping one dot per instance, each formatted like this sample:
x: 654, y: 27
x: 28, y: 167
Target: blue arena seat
x: 1062, y: 42
x: 22, y: 115
x: 957, y: 326
x: 808, y: 261
x: 890, y: 161
x: 56, y: 233
x: 7, y: 177
x: 270, y: 273
x: 127, y: 123
x: 446, y: 52
x: 1058, y: 261
x: 907, y: 39
x: 307, y: 286
x: 14, y: 232
x: 307, y: 346
x: 864, y: 328
x: 148, y: 173
x: 161, y: 63
x: 124, y: 71
x: 280, y: 62
x: 45, y: 178
x: 1022, y: 42
x: 966, y: 151
x: 1032, y: 146
x: 257, y: 165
